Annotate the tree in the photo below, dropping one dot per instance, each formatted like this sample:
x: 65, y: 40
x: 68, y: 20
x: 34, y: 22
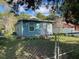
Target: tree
x: 23, y: 16
x: 41, y: 16
x: 33, y: 4
x: 71, y: 11
x: 51, y: 16
x: 8, y: 21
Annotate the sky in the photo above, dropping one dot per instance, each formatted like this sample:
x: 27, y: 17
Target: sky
x: 2, y: 8
x: 42, y: 9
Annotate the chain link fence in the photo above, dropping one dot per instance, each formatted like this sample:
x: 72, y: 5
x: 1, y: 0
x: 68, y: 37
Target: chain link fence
x: 37, y: 48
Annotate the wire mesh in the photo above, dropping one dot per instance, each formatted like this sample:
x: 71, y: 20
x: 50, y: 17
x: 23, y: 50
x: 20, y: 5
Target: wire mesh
x: 36, y: 48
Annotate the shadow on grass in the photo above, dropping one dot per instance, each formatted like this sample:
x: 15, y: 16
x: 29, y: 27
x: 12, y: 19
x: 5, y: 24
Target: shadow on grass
x: 13, y: 48
x: 28, y: 48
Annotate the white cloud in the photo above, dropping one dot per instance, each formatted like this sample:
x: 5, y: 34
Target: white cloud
x: 21, y: 9
x: 43, y: 10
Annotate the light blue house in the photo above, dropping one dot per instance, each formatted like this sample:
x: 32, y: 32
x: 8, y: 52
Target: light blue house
x: 34, y: 27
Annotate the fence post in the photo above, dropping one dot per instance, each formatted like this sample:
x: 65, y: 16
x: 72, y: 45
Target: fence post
x: 55, y: 51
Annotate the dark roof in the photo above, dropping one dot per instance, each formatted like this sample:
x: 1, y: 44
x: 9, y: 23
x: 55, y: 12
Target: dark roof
x: 36, y: 20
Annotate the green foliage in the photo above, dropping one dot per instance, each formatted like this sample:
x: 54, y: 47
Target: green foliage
x: 23, y: 16
x: 41, y: 16
x: 7, y: 34
x: 8, y: 21
x: 1, y: 1
x: 51, y: 16
x: 33, y: 4
x: 71, y: 11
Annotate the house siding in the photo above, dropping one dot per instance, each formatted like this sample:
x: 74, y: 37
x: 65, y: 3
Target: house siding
x: 40, y: 29
x: 19, y: 29
x: 49, y: 28
x: 26, y: 31
x: 77, y: 27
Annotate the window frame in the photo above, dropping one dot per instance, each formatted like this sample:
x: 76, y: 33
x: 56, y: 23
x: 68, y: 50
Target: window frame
x: 29, y: 25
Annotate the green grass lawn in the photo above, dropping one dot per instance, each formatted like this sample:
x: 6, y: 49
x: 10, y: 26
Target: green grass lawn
x: 12, y: 48
x: 69, y: 39
x: 20, y: 49
x: 68, y: 43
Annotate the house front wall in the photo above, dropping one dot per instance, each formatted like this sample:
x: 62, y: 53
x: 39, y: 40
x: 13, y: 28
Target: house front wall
x: 39, y: 29
x: 27, y: 32
x: 23, y: 29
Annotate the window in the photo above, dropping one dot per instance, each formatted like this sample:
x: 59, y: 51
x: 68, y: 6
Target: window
x: 37, y: 25
x: 31, y: 27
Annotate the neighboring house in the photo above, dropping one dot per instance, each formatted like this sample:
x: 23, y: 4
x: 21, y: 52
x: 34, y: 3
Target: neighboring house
x: 34, y: 27
x: 71, y: 29
x: 66, y: 28
x: 77, y: 27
